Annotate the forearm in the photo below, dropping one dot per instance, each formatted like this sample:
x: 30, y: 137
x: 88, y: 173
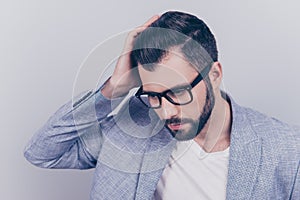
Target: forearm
x: 71, y: 138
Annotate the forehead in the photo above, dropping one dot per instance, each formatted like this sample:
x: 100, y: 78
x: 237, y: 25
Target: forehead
x: 172, y: 71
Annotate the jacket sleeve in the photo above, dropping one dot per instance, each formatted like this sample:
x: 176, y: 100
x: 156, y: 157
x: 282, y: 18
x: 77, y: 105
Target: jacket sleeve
x: 71, y: 138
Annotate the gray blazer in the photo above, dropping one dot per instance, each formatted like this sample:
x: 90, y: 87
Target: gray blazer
x: 129, y: 150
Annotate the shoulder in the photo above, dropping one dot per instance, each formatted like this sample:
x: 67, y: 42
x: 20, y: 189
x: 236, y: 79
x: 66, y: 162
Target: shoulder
x: 277, y: 137
x: 270, y: 127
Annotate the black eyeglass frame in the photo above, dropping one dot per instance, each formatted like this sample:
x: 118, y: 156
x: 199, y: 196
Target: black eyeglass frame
x: 197, y: 80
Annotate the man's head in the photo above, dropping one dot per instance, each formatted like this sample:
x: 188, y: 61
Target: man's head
x: 174, y: 52
x: 170, y: 30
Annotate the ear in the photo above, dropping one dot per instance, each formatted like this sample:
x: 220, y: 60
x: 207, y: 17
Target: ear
x: 216, y: 75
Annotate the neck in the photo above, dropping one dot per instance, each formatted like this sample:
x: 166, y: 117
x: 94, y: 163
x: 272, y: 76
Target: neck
x: 215, y: 136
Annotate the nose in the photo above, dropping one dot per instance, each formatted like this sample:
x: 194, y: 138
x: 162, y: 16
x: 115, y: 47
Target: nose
x: 169, y: 110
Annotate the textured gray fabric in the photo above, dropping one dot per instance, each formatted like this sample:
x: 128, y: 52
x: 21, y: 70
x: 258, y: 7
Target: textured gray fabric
x: 264, y: 152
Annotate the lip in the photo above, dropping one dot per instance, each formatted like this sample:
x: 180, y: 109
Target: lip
x: 175, y: 127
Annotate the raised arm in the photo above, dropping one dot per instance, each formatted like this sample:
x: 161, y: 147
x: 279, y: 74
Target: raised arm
x: 72, y: 138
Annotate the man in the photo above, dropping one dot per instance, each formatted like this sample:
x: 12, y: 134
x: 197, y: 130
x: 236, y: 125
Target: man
x: 179, y: 136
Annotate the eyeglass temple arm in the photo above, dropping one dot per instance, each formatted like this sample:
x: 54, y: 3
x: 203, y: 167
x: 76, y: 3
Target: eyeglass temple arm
x: 202, y: 75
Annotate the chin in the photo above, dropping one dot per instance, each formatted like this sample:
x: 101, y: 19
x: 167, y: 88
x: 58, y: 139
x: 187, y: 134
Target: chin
x: 181, y: 135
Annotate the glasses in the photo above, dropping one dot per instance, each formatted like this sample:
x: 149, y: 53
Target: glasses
x: 181, y: 95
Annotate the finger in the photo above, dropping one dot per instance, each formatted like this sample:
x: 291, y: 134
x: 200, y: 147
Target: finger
x: 136, y: 31
x: 151, y: 20
x: 139, y: 29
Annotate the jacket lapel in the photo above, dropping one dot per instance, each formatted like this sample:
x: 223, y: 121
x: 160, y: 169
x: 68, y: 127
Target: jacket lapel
x: 160, y: 149
x: 245, y: 156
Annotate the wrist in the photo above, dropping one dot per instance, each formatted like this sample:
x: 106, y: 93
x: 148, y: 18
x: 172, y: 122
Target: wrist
x: 111, y: 91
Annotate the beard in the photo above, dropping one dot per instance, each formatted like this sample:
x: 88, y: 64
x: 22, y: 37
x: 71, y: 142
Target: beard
x: 196, y: 125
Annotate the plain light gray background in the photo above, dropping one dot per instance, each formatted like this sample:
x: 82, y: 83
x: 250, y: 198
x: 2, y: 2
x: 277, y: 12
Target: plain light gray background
x: 43, y: 43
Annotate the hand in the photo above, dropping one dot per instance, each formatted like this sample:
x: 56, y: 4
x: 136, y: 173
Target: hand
x: 124, y: 78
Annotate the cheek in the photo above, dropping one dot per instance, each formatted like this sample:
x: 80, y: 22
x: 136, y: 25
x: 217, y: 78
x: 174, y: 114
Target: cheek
x: 191, y: 110
x: 159, y: 113
x: 195, y: 108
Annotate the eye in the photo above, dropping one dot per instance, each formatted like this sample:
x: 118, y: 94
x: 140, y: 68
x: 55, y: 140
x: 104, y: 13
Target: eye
x: 180, y: 92
x: 177, y: 92
x: 152, y: 97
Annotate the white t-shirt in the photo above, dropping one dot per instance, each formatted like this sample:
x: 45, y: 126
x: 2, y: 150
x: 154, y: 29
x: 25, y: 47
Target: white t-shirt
x: 194, y: 174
